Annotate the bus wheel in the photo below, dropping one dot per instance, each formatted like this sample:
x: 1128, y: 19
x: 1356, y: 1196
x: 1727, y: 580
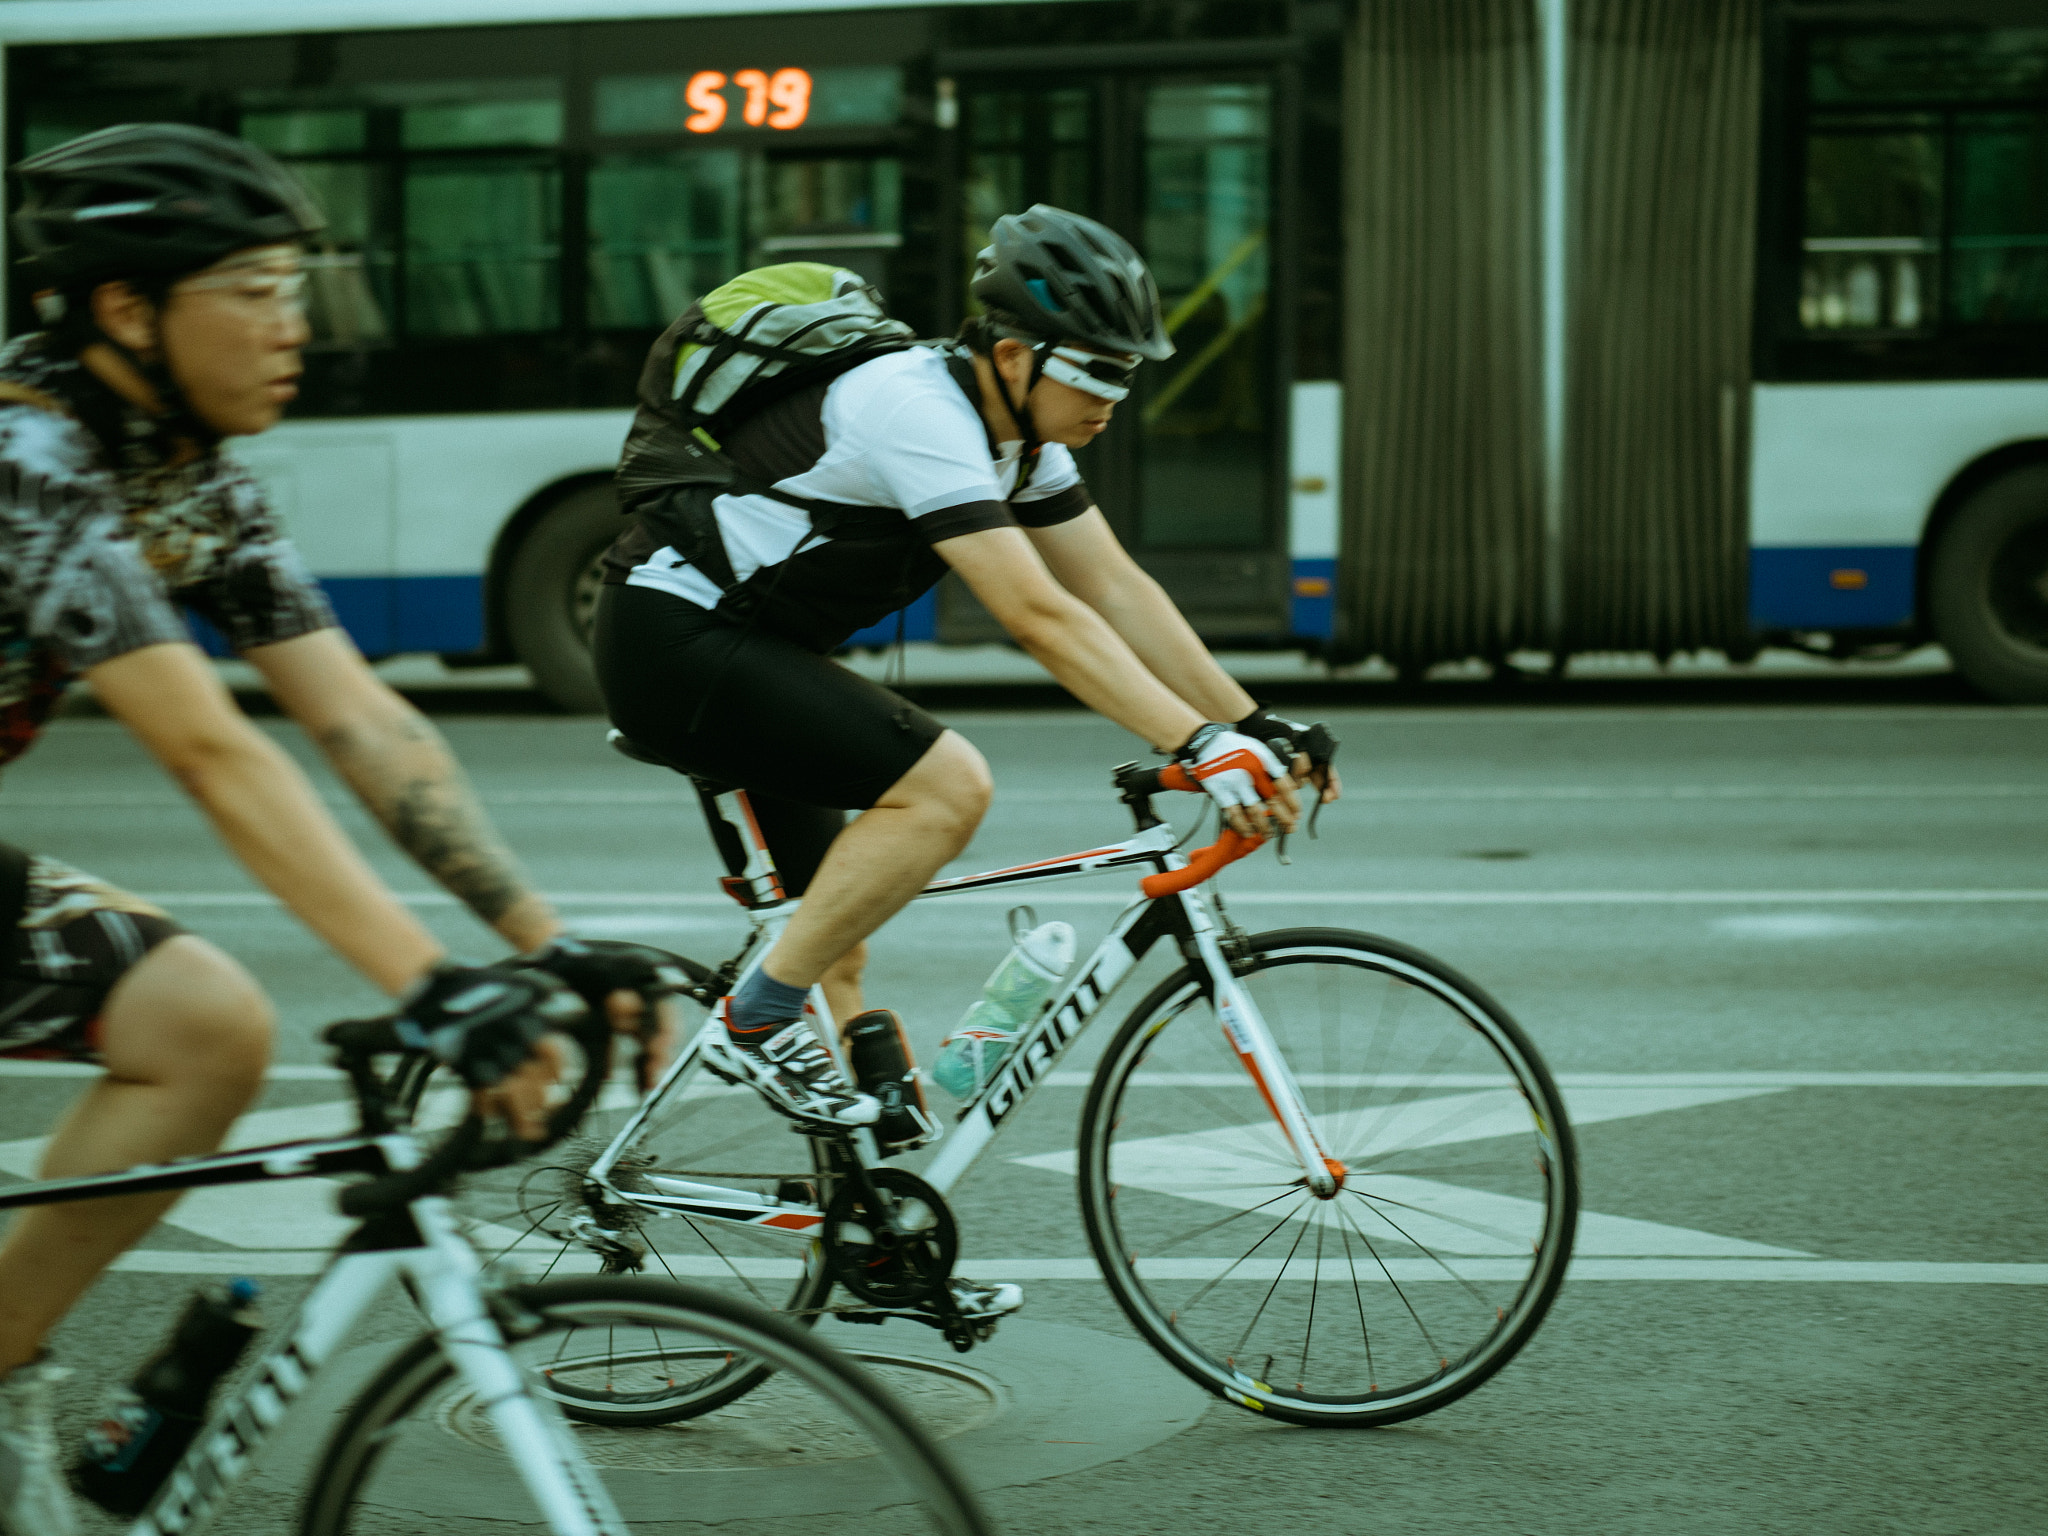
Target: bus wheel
x: 551, y: 596
x: 1988, y: 588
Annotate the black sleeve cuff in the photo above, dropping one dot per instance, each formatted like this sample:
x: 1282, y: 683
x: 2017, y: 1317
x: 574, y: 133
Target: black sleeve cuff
x: 1060, y: 507
x: 968, y: 517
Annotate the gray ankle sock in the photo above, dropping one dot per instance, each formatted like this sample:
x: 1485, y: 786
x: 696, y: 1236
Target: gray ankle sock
x: 762, y: 1002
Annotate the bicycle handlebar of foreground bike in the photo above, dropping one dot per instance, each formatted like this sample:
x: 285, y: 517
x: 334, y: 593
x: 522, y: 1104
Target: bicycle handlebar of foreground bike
x: 464, y: 1149
x: 1228, y: 848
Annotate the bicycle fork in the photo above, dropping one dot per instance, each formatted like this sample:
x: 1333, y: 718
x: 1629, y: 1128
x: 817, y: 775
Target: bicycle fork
x: 536, y: 1437
x: 1244, y: 1027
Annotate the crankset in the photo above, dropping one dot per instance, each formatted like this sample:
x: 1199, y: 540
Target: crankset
x: 889, y: 1237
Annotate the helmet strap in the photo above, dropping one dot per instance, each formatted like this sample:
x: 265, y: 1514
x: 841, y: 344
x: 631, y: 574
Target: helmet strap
x: 1020, y: 416
x: 174, y: 415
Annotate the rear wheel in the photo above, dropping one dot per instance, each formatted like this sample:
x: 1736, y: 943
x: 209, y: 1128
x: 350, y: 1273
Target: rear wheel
x: 419, y: 1451
x: 551, y: 596
x: 1427, y: 1269
x: 1988, y: 588
x: 552, y: 1218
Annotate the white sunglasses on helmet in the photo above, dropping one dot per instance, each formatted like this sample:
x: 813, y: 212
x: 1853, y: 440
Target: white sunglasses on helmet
x: 1107, y: 376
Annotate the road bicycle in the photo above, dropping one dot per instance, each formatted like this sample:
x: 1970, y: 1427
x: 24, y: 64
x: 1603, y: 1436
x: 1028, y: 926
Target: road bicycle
x: 1326, y: 1176
x: 471, y: 1418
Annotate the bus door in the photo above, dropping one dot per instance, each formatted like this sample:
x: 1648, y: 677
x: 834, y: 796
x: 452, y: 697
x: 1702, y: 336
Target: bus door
x: 1191, y: 472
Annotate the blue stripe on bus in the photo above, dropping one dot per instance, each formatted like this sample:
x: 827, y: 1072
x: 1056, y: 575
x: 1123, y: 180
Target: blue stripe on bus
x: 387, y: 615
x: 1832, y: 587
x: 1312, y: 611
x: 920, y: 622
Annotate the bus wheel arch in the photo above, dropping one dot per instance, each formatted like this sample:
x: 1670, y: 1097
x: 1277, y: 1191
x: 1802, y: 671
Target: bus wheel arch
x: 1984, y: 583
x: 543, y: 586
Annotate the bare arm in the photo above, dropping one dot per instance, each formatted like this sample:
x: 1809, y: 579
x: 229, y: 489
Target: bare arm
x: 1067, y: 637
x: 402, y: 770
x: 1088, y: 559
x: 264, y: 809
x: 1091, y: 562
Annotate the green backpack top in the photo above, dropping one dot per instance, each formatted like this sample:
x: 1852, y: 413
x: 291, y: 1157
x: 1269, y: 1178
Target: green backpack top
x: 742, y: 347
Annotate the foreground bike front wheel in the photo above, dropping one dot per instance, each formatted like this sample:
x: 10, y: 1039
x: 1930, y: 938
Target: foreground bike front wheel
x: 818, y: 1446
x: 1438, y: 1255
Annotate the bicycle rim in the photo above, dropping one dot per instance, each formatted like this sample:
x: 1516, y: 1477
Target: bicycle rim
x: 704, y: 1130
x: 1430, y: 1267
x: 416, y: 1447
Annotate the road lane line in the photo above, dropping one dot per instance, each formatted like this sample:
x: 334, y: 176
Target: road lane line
x: 1909, y: 896
x: 165, y: 1261
x: 300, y: 1073
x: 91, y: 799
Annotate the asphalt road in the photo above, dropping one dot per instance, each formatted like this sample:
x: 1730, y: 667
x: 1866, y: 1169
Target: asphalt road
x: 1835, y: 910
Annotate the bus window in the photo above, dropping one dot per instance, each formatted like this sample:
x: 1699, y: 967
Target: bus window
x: 1873, y: 226
x: 1206, y: 416
x: 665, y: 227
x: 1998, y: 260
x: 845, y: 210
x: 483, y: 245
x: 1026, y: 147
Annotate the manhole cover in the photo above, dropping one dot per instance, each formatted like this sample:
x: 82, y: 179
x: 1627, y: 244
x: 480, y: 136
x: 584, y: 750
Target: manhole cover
x: 781, y: 1423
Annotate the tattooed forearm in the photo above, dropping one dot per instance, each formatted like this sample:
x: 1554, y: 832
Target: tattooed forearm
x: 405, y: 774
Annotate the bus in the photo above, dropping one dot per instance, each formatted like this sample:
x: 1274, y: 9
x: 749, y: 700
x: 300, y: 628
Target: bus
x: 1507, y: 330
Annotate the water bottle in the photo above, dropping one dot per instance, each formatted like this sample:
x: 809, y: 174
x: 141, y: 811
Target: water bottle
x: 146, y: 1426
x: 1010, y: 999
x: 880, y: 1057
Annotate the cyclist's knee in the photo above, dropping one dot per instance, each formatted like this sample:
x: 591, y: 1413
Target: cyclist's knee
x: 951, y: 783
x: 186, y: 1012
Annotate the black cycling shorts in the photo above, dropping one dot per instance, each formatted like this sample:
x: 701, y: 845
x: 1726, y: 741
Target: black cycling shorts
x: 806, y: 738
x: 73, y: 938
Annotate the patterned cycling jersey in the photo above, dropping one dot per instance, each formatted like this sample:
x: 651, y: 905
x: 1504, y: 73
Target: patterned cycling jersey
x: 896, y: 443
x: 106, y: 525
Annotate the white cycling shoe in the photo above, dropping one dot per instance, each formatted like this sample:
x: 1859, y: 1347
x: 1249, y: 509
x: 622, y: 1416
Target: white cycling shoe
x: 34, y: 1500
x: 790, y: 1068
x: 983, y: 1303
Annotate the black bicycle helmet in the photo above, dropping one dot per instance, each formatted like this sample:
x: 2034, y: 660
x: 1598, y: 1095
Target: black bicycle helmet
x: 1055, y: 274
x: 144, y: 200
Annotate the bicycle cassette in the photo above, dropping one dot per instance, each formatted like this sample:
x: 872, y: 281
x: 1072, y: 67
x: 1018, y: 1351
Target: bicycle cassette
x: 899, y: 1254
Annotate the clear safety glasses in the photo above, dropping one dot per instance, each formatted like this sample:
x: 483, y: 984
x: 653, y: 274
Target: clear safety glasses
x: 1107, y: 376
x: 271, y: 287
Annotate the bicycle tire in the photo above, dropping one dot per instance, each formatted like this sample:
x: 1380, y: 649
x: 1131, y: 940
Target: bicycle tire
x: 408, y: 1388
x: 1437, y: 1065
x: 699, y: 1113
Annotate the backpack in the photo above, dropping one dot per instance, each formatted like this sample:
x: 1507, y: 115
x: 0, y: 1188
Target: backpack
x: 741, y: 348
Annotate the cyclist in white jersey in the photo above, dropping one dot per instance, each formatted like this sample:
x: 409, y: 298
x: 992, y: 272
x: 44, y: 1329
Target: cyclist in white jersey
x: 932, y: 458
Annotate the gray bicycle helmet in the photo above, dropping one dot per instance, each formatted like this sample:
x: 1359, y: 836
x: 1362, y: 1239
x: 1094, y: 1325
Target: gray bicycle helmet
x: 1055, y: 274
x: 153, y: 200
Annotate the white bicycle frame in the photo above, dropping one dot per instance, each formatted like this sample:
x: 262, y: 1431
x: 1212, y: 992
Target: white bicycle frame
x: 447, y: 1279
x: 1185, y: 915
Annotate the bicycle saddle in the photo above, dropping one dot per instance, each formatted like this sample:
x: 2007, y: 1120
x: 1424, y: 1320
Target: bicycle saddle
x: 626, y: 746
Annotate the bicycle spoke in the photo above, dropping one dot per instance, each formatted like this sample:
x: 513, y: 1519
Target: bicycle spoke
x: 1376, y: 1036
x: 1266, y: 1300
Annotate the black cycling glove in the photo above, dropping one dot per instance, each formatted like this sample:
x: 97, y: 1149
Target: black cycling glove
x: 1289, y: 738
x: 480, y: 1020
x: 596, y: 968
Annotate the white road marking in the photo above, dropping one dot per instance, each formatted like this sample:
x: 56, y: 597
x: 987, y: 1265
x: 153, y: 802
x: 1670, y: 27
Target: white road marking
x: 1214, y: 1167
x: 1904, y: 896
x: 163, y: 1261
x: 305, y: 1073
x: 96, y: 799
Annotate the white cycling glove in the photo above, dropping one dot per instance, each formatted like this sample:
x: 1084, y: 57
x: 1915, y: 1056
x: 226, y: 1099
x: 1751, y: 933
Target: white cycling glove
x: 1222, y: 762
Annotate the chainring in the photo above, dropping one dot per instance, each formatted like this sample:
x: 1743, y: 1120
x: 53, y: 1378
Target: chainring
x: 897, y: 1256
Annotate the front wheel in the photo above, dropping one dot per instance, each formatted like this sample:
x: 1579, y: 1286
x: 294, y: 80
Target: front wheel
x: 1428, y: 1268
x: 418, y: 1449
